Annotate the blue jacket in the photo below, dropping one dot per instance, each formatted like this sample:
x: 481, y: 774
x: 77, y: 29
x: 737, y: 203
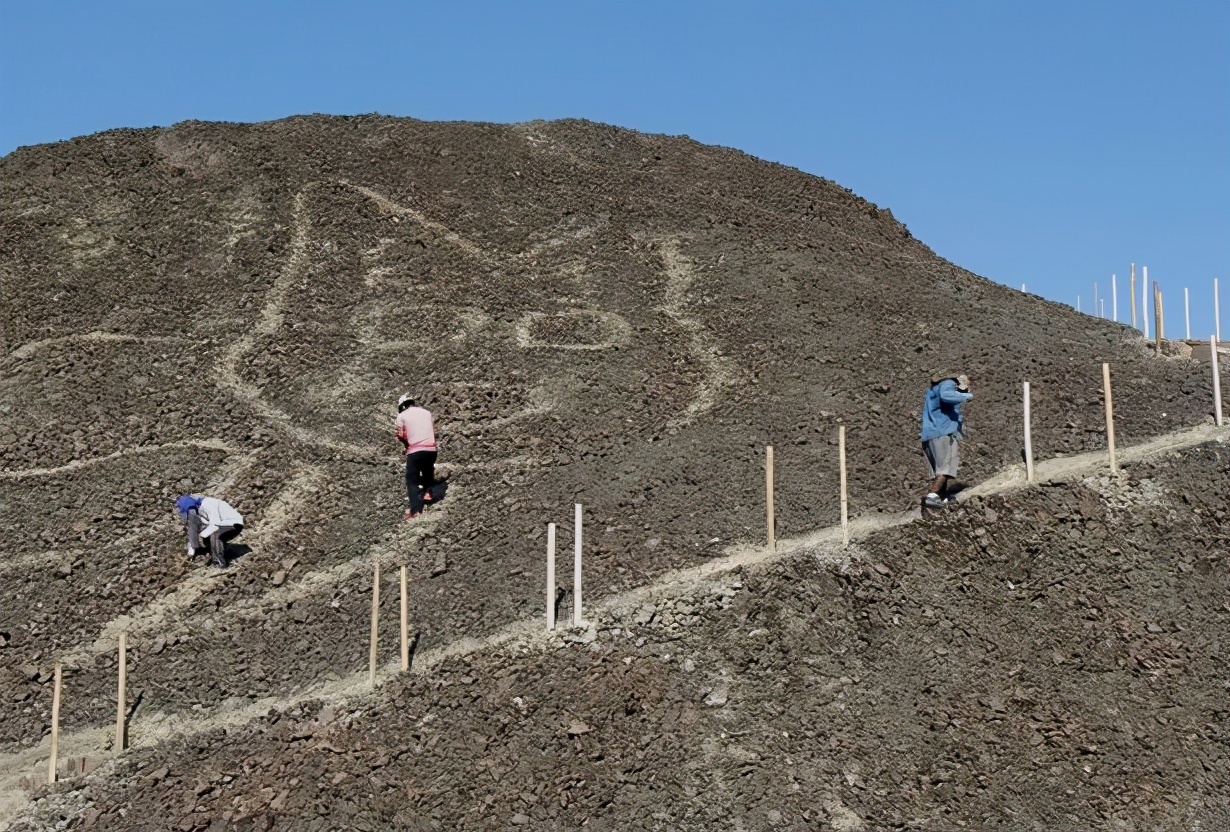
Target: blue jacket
x: 942, y: 414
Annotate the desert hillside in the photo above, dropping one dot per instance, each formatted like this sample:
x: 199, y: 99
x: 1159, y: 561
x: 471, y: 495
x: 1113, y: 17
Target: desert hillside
x: 594, y: 315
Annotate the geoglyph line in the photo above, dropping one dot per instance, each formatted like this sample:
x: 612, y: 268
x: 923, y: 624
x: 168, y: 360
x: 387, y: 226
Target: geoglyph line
x: 213, y: 444
x: 529, y: 634
x: 719, y: 370
x: 97, y: 336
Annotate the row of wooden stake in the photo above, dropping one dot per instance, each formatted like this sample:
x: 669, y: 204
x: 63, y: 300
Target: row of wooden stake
x: 577, y: 618
x: 771, y: 523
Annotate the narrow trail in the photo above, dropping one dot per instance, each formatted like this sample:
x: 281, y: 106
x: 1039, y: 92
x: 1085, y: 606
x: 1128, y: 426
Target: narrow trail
x: 150, y: 729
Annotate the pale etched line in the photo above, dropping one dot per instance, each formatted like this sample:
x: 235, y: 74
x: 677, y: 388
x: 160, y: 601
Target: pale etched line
x: 98, y: 336
x: 719, y: 370
x: 422, y: 219
x: 528, y: 634
x: 213, y: 444
x: 156, y: 616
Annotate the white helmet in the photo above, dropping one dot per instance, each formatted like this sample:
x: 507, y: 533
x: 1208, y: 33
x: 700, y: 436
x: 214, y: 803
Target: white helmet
x: 405, y: 401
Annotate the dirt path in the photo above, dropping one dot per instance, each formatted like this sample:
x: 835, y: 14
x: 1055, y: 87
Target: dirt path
x: 149, y: 729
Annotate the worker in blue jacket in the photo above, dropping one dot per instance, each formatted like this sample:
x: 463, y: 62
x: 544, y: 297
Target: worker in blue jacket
x: 943, y: 424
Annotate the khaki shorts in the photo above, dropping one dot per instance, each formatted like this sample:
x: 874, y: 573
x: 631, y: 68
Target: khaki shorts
x: 943, y: 455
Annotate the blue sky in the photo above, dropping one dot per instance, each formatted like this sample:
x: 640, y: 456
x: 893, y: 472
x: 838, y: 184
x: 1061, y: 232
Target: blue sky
x: 1045, y: 143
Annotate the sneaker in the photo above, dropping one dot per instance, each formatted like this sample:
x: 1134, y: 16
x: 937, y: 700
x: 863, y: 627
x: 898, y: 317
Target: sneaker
x: 934, y: 500
x: 949, y: 501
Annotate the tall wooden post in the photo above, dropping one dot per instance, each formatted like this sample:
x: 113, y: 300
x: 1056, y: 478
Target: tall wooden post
x: 405, y: 622
x: 121, y: 698
x: 1157, y: 318
x: 55, y: 727
x: 1132, y: 295
x: 1110, y: 418
x: 770, y: 523
x: 1029, y: 442
x: 1216, y: 381
x: 841, y: 461
x: 1114, y: 297
x: 1144, y: 299
x: 550, y: 576
x: 577, y: 620
x: 1187, y: 316
x: 372, y: 653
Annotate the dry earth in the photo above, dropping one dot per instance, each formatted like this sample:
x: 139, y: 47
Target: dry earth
x: 594, y: 315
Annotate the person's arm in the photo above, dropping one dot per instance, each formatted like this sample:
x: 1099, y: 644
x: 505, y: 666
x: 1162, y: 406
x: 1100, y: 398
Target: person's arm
x: 194, y: 532
x: 401, y: 435
x: 949, y: 394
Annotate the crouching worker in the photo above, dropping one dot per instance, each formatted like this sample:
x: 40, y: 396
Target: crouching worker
x: 417, y: 435
x: 210, y: 522
x: 943, y: 425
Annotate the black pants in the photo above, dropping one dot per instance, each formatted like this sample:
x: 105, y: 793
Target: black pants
x: 420, y: 474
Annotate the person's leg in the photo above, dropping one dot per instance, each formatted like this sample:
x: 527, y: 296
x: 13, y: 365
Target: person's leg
x: 412, y: 489
x: 413, y: 482
x: 427, y: 473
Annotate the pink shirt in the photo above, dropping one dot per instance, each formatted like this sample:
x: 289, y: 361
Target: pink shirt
x: 415, y: 428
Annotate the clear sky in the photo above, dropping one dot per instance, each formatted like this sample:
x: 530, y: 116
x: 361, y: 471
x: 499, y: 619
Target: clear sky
x: 1037, y: 142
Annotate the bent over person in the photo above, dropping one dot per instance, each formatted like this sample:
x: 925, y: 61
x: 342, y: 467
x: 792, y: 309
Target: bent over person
x: 417, y: 435
x: 210, y: 522
x: 943, y: 424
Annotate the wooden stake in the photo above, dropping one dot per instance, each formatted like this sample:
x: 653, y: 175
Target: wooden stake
x: 1157, y: 318
x: 1110, y: 418
x: 405, y: 623
x: 841, y: 461
x: 1216, y: 381
x: 1029, y: 442
x: 371, y: 656
x: 550, y: 576
x: 55, y: 727
x: 121, y: 697
x: 770, y: 524
x: 576, y: 567
x: 1144, y: 299
x: 1132, y: 295
x: 1114, y: 297
x: 1187, y: 315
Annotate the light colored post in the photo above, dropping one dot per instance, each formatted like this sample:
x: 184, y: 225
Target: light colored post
x: 1114, y: 297
x: 1102, y: 308
x: 550, y: 576
x: 1110, y: 418
x: 1132, y: 295
x: 1157, y: 315
x: 576, y: 568
x: 1078, y: 303
x: 770, y: 526
x: 405, y: 623
x: 1216, y: 312
x: 1029, y: 441
x: 841, y: 460
x: 1187, y: 315
x: 121, y: 697
x: 1022, y: 288
x: 55, y: 727
x: 1216, y: 381
x: 371, y: 656
x: 1144, y: 299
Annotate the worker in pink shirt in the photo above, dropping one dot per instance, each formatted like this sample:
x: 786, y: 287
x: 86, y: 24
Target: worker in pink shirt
x: 418, y: 436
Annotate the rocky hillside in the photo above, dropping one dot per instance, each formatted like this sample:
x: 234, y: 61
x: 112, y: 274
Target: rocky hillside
x: 594, y: 315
